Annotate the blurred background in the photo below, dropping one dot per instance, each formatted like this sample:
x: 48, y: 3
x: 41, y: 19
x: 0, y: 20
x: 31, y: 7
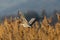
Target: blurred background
x: 11, y: 7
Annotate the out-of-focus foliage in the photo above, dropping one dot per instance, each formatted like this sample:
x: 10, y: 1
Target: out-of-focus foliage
x: 13, y: 30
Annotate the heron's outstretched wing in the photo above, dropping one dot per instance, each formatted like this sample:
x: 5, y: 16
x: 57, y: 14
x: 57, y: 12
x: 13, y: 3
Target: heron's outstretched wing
x: 32, y: 21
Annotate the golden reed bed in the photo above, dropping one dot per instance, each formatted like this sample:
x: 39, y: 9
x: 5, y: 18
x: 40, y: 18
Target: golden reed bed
x: 12, y: 30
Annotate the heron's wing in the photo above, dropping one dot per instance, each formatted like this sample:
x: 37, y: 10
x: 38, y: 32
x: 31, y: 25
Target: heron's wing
x: 32, y: 20
x: 22, y: 17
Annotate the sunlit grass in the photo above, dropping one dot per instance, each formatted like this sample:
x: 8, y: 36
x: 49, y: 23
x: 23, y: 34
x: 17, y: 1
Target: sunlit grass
x: 12, y: 30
